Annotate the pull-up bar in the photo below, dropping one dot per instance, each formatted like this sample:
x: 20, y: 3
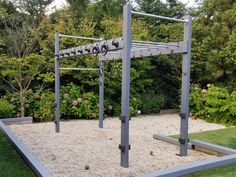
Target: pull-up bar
x: 160, y: 17
x: 153, y: 43
x: 149, y: 45
x: 81, y: 37
x: 80, y: 69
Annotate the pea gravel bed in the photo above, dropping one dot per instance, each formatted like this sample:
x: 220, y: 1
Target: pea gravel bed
x: 84, y: 150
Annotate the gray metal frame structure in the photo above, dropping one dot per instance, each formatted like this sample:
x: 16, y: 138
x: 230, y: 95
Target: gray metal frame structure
x: 125, y: 48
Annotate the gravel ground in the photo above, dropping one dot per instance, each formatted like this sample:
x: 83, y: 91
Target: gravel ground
x: 81, y: 143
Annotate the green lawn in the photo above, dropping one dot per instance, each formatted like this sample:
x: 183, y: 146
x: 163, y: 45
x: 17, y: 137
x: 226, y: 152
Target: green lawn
x: 225, y: 137
x: 11, y: 164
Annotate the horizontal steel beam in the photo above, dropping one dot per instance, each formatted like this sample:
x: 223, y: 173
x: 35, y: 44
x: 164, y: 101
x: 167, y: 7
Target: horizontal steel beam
x: 194, y: 167
x: 148, y: 46
x: 101, y: 47
x: 80, y: 69
x: 153, y: 43
x: 170, y: 140
x: 80, y: 37
x: 159, y: 17
x: 39, y: 169
x: 173, y: 48
x: 18, y: 120
x: 213, y: 147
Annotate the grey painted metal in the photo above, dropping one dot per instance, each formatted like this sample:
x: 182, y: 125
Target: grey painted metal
x: 17, y: 120
x: 101, y: 94
x: 80, y: 37
x: 213, y: 147
x: 149, y: 51
x: 170, y: 140
x: 81, y: 69
x: 154, y: 43
x: 88, y: 49
x: 38, y: 168
x: 159, y: 17
x: 124, y: 146
x: 194, y: 167
x: 57, y: 83
x: 149, y: 45
x: 185, y: 88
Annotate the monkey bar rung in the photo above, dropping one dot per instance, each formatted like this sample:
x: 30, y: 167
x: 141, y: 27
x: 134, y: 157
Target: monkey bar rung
x: 81, y: 69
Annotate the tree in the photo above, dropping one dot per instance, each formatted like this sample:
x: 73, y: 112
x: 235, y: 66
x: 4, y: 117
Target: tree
x: 36, y: 8
x: 214, y: 43
x: 19, y: 73
x: 170, y: 8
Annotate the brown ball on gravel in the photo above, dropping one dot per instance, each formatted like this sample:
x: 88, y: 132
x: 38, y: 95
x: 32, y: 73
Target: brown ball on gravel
x: 87, y: 167
x: 151, y: 153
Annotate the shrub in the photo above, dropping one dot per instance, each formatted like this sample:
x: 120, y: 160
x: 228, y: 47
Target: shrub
x: 6, y: 109
x: 135, y: 105
x: 74, y: 104
x: 14, y: 99
x: 44, y: 106
x: 152, y: 103
x: 215, y: 104
x: 113, y: 108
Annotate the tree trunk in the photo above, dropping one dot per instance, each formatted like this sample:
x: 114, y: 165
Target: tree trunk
x: 22, y: 103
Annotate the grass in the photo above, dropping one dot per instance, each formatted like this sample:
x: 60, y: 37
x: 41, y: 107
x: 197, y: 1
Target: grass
x: 224, y: 137
x: 11, y: 164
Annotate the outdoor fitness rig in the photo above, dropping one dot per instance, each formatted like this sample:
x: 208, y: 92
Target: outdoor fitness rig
x: 125, y: 48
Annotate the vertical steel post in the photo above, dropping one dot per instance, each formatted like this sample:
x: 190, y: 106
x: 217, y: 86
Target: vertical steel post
x: 184, y: 114
x: 125, y: 116
x: 57, y: 83
x: 101, y: 94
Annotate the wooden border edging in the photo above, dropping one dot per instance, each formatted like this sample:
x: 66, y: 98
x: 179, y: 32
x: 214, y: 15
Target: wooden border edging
x: 194, y: 167
x: 213, y: 147
x: 17, y: 120
x: 169, y: 139
x: 30, y: 159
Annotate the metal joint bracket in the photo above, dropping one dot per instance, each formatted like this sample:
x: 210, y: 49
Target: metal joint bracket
x: 122, y: 148
x: 123, y: 118
x: 182, y: 115
x: 183, y: 141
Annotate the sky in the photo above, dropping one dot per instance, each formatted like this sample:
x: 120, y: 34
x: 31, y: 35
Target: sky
x: 60, y: 3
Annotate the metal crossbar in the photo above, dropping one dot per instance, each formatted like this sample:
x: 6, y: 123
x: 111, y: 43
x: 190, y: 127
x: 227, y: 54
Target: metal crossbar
x: 148, y: 46
x: 102, y: 47
x: 81, y: 37
x: 153, y: 43
x: 80, y: 69
x: 160, y: 17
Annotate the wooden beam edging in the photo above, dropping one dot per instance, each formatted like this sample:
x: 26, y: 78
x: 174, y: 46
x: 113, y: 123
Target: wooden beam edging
x: 194, y: 167
x: 17, y: 120
x: 39, y: 169
x: 213, y: 147
x: 170, y: 140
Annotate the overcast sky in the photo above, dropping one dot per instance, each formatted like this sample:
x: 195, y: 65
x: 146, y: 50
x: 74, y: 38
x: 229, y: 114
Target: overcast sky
x: 59, y: 3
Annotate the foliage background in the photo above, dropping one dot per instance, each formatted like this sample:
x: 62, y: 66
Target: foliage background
x: 27, y: 59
